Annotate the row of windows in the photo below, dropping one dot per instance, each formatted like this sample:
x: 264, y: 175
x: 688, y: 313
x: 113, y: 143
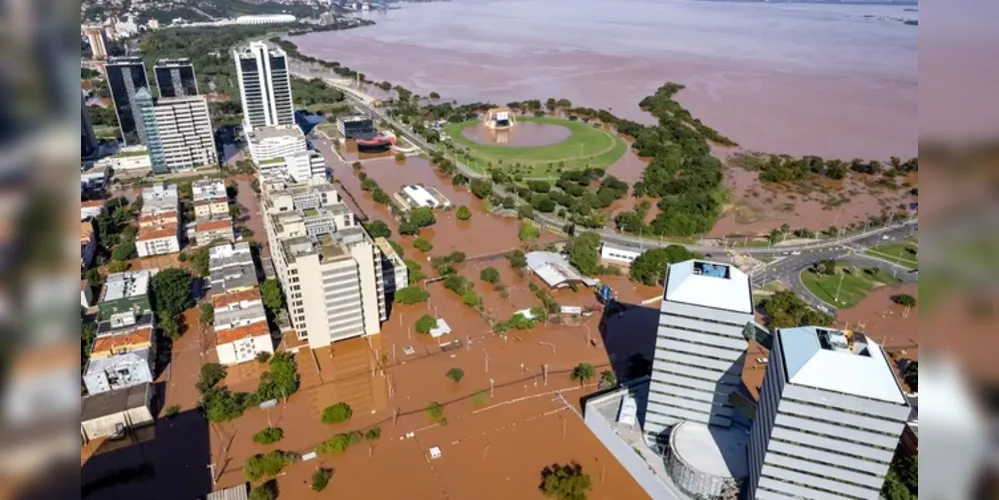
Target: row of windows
x: 828, y: 478
x: 699, y: 332
x: 826, y: 464
x: 687, y: 340
x: 839, y: 424
x: 678, y: 418
x: 837, y: 438
x: 734, y: 368
x: 845, y: 410
x: 783, y: 493
x: 826, y: 450
x: 706, y: 320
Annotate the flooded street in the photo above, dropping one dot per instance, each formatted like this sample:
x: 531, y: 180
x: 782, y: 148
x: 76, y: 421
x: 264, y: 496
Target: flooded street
x: 790, y: 78
x: 526, y: 134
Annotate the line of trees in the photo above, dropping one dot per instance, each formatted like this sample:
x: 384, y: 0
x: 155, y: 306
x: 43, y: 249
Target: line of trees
x: 786, y: 168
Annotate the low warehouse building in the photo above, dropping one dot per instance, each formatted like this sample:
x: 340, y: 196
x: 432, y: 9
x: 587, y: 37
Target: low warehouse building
x: 555, y: 270
x: 113, y: 413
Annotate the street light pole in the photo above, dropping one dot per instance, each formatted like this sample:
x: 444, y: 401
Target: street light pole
x: 840, y: 287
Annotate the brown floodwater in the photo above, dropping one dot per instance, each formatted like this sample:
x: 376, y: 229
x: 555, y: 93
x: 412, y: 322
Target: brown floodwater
x: 526, y: 134
x: 789, y: 78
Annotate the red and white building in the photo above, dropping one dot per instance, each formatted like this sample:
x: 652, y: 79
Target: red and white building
x: 241, y: 328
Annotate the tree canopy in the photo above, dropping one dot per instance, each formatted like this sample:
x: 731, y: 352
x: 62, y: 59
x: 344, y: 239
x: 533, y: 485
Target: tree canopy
x: 378, y: 229
x: 565, y: 482
x: 272, y: 296
x: 172, y: 291
x: 489, y: 275
x: 422, y: 216
x: 650, y: 267
x: 340, y: 412
x: 411, y: 295
x: 584, y: 252
x: 425, y: 324
x: 481, y: 188
x: 784, y: 309
x: 463, y: 213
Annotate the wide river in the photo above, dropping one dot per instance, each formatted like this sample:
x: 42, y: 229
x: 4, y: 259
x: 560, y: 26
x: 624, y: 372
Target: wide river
x: 789, y: 78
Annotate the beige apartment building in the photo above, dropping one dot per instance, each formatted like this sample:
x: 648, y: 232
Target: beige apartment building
x: 329, y: 267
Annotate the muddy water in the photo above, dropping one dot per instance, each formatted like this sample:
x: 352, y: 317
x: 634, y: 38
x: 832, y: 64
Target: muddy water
x: 527, y: 134
x: 756, y: 208
x: 882, y: 320
x: 795, y: 78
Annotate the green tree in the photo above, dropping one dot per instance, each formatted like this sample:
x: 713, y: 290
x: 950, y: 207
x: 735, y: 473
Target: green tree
x: 607, y: 380
x: 481, y: 188
x: 340, y: 412
x: 407, y: 228
x: 904, y: 299
x: 373, y: 433
x: 525, y: 212
x: 463, y: 213
x: 378, y: 229
x: 422, y: 216
x: 400, y: 157
x: 369, y: 184
x: 172, y: 291
x: 425, y: 324
x: 584, y: 252
x: 415, y: 271
x: 265, y: 491
x: 281, y: 380
x: 124, y: 251
x: 517, y: 259
x: 528, y: 231
x: 269, y: 435
x: 911, y: 375
x: 456, y: 374
x: 827, y: 267
x: 784, y: 309
x: 435, y: 410
x: 565, y: 482
x: 334, y: 445
x: 490, y: 275
x: 199, y: 261
x: 582, y: 373
x: 423, y: 245
x: 263, y: 465
x: 650, y: 267
x: 471, y: 299
x: 380, y: 197
x: 207, y: 313
x: 272, y: 296
x: 211, y: 374
x: 321, y: 478
x: 411, y: 295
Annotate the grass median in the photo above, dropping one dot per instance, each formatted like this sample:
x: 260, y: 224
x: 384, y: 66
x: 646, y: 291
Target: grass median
x: 850, y: 284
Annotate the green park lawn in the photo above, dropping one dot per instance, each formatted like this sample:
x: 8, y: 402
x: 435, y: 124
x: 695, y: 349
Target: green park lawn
x: 905, y: 252
x: 856, y: 284
x: 587, y: 146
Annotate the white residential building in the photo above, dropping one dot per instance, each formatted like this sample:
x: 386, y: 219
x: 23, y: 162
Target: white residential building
x: 91, y: 208
x: 299, y: 167
x: 700, y: 346
x: 264, y: 86
x: 395, y: 274
x: 829, y: 418
x: 180, y: 133
x: 329, y: 268
x: 158, y: 240
x: 244, y: 343
x: 95, y: 38
x: 275, y: 142
x: 160, y: 198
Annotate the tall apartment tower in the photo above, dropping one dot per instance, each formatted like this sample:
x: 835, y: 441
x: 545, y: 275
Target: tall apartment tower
x: 88, y: 140
x: 264, y: 86
x: 329, y: 267
x: 179, y: 131
x: 95, y: 38
x: 126, y: 75
x: 175, y: 78
x: 700, y: 346
x: 829, y: 418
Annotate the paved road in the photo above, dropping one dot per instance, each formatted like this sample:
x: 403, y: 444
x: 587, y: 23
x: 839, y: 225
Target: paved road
x: 626, y: 240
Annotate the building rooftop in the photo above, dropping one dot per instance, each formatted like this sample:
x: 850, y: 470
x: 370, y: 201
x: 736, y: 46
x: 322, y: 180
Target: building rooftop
x: 159, y: 198
x: 179, y: 61
x: 388, y: 251
x: 555, y: 270
x: 233, y: 334
x: 92, y: 203
x: 112, y: 402
x: 711, y: 450
x: 155, y: 233
x: 709, y: 284
x: 229, y: 316
x: 127, y: 284
x: 223, y: 301
x: 290, y: 131
x: 108, y: 363
x: 225, y: 255
x: 838, y: 361
x: 213, y: 225
x: 124, y: 322
x: 208, y: 189
x: 112, y: 342
x: 249, y: 50
x: 353, y: 118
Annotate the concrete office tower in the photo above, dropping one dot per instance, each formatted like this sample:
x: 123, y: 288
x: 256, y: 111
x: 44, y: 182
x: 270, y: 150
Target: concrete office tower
x: 95, y: 38
x: 298, y: 167
x: 180, y: 133
x: 264, y: 86
x: 175, y: 78
x: 126, y: 76
x: 829, y: 417
x: 144, y: 107
x: 700, y: 347
x: 275, y: 142
x: 328, y: 265
x: 88, y: 140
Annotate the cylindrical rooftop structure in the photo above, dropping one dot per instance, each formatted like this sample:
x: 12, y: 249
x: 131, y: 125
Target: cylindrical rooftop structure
x: 707, y: 462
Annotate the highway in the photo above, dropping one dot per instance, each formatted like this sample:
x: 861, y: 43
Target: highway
x: 868, y: 238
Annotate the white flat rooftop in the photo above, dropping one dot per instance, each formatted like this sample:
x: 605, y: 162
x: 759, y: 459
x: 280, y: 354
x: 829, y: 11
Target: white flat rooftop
x: 860, y: 369
x: 420, y: 195
x: 712, y: 450
x: 709, y: 284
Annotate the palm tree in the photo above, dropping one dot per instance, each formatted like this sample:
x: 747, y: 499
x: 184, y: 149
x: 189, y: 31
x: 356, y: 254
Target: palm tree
x: 583, y: 372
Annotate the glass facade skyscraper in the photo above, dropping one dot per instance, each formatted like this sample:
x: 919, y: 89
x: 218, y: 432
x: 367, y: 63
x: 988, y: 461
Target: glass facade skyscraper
x: 126, y: 76
x: 175, y: 78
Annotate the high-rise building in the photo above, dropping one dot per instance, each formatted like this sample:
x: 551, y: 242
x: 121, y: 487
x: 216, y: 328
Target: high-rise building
x: 275, y: 142
x: 298, y: 167
x: 88, y: 141
x: 179, y: 131
x: 95, y: 38
x: 329, y: 267
x: 126, y: 76
x: 829, y: 417
x: 175, y: 78
x: 264, y: 86
x: 700, y: 346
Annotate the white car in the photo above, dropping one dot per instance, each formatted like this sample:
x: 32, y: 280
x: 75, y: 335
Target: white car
x: 796, y: 252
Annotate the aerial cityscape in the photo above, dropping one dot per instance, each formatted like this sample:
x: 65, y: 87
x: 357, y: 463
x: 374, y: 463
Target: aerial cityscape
x: 477, y: 250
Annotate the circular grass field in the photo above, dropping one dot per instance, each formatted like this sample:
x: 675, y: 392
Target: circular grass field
x: 586, y: 146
